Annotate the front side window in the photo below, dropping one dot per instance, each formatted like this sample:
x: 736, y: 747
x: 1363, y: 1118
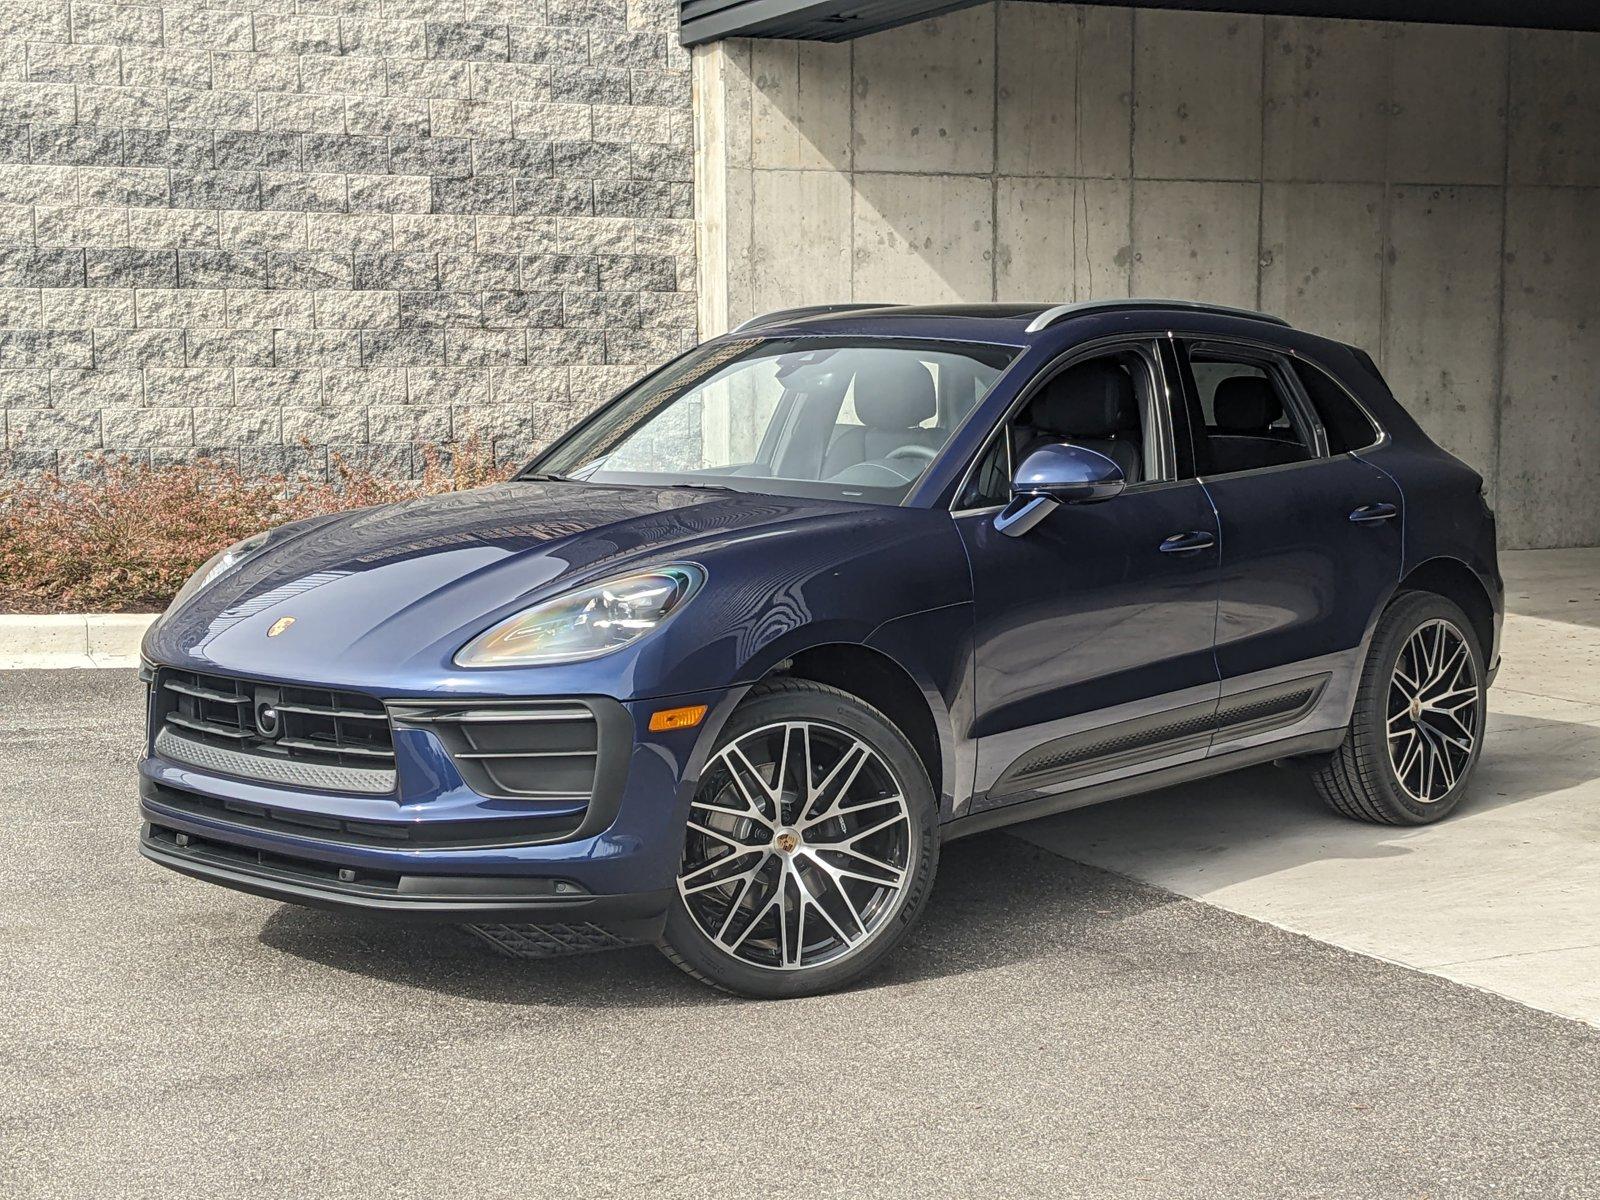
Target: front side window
x: 1248, y: 416
x: 856, y: 419
x: 1105, y: 403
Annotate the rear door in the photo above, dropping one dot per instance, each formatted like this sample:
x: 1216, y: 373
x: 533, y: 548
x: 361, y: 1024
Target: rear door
x: 1310, y: 542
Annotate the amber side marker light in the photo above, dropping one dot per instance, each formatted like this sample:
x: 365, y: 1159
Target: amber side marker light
x: 677, y: 718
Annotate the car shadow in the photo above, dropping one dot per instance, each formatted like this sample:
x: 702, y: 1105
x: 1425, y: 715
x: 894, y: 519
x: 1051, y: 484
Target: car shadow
x: 997, y: 901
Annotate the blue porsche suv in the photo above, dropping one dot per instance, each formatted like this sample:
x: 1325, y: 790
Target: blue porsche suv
x: 724, y: 666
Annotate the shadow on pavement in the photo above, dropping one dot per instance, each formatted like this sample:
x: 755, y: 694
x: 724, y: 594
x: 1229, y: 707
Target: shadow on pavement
x: 997, y: 901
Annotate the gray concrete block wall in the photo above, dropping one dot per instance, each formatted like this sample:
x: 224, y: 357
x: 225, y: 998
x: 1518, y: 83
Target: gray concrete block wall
x: 1427, y: 192
x: 241, y: 226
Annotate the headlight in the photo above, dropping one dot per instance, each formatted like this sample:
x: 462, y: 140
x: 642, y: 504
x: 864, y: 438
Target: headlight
x: 215, y: 566
x: 587, y: 623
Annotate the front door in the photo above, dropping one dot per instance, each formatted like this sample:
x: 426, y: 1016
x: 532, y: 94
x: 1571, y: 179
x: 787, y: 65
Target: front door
x: 1093, y: 631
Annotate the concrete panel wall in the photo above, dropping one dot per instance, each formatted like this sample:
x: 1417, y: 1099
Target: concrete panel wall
x: 1431, y: 193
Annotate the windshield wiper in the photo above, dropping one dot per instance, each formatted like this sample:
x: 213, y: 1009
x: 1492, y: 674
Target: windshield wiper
x: 544, y: 477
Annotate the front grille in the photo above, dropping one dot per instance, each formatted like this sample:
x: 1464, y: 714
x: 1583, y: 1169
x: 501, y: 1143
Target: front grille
x: 299, y: 736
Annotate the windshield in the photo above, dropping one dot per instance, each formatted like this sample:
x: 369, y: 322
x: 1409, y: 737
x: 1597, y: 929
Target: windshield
x: 845, y: 418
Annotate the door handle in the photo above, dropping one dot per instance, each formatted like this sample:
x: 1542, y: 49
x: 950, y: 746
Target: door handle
x: 1184, y: 543
x: 1368, y: 513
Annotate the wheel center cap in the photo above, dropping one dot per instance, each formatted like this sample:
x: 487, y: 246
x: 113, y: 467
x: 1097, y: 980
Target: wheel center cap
x: 786, y: 841
x: 1416, y: 708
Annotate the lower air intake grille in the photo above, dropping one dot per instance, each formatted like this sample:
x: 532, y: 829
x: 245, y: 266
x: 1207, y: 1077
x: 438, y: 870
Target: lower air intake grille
x: 299, y: 736
x: 521, y: 750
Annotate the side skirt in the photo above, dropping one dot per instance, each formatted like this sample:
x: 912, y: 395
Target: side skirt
x: 1116, y: 789
x: 1192, y: 727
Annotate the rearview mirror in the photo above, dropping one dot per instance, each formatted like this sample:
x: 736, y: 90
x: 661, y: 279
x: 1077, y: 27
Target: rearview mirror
x: 1056, y: 474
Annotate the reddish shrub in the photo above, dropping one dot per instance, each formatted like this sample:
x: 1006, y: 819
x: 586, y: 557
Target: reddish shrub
x: 125, y: 536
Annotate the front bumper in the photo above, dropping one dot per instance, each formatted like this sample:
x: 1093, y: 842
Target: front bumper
x: 436, y: 849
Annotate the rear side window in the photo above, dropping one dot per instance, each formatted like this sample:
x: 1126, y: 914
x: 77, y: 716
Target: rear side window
x: 1347, y: 427
x: 1247, y: 419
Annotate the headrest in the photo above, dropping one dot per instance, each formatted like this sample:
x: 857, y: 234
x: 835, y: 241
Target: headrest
x: 1091, y: 400
x: 893, y: 391
x: 1246, y: 404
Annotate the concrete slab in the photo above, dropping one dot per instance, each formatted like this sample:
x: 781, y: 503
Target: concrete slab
x: 1550, y: 436
x: 1198, y: 103
x: 1196, y: 240
x: 721, y: 283
x: 45, y: 634
x: 1557, y: 585
x: 1322, y: 258
x: 1505, y: 895
x: 923, y: 238
x: 1065, y: 91
x: 800, y: 105
x: 1326, y: 99
x: 1061, y: 239
x: 1555, y: 108
x: 1441, y: 341
x: 1448, y: 104
x: 60, y: 641
x: 924, y: 96
x: 799, y: 246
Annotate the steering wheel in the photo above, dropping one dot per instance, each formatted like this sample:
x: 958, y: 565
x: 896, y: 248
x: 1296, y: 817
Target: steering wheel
x: 911, y: 450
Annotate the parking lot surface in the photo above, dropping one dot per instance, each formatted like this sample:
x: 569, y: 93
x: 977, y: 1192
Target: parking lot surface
x: 1052, y: 1030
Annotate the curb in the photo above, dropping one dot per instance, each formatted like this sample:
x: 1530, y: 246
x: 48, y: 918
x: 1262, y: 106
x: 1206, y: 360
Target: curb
x: 56, y: 641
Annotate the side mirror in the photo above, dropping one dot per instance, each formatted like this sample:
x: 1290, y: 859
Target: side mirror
x: 1053, y: 475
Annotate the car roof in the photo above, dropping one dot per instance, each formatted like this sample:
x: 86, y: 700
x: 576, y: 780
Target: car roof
x: 1008, y: 324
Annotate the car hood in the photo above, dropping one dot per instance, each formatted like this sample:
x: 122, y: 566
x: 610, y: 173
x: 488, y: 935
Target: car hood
x: 378, y: 586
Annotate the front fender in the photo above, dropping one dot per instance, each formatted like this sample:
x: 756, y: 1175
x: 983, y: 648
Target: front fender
x: 767, y: 600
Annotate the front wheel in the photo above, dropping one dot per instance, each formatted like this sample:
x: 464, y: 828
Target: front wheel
x: 810, y: 847
x: 1418, y: 723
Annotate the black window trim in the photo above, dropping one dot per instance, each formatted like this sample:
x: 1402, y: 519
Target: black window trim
x: 1147, y: 345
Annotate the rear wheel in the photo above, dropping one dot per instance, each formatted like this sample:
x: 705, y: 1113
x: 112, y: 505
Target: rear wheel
x: 810, y: 847
x: 1417, y: 727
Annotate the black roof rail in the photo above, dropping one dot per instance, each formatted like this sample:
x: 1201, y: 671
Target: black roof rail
x: 808, y: 310
x: 1062, y: 311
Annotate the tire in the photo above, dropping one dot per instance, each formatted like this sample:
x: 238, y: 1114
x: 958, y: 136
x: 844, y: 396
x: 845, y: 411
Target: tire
x: 816, y: 895
x: 1417, y: 775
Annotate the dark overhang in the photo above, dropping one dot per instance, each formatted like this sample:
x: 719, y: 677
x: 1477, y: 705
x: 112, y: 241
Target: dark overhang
x: 841, y: 20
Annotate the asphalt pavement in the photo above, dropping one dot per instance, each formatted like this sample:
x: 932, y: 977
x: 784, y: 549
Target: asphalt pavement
x: 1051, y: 1030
